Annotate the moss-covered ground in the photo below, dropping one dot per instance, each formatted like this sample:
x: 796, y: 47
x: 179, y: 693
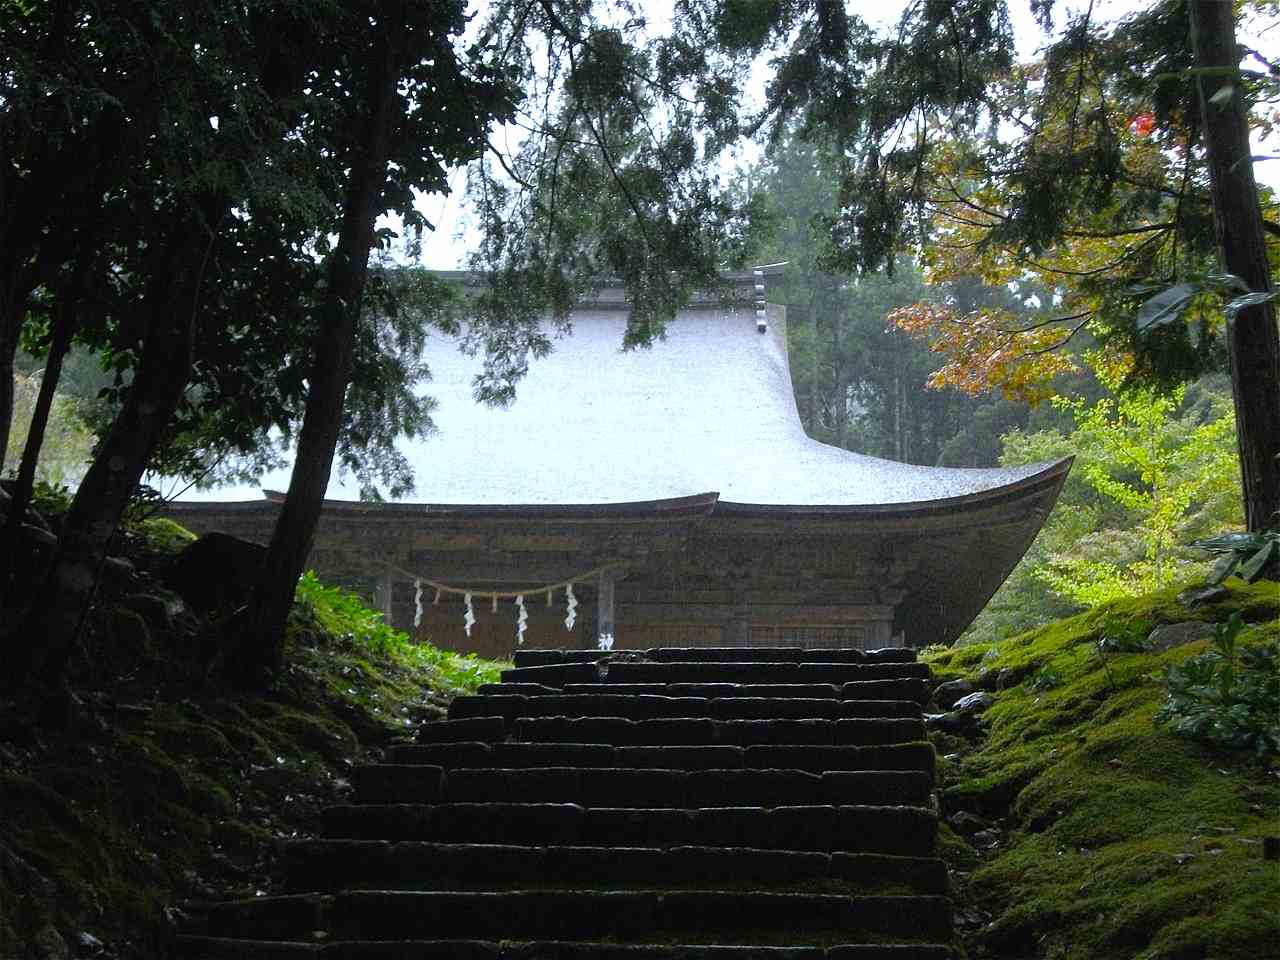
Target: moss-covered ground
x: 161, y: 787
x: 1112, y: 837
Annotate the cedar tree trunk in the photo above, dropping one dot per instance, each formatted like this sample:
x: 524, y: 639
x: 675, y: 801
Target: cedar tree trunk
x: 1254, y: 341
x: 63, y: 329
x: 262, y: 648
x: 117, y: 468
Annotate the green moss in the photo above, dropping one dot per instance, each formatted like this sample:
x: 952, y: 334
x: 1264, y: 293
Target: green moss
x: 1128, y: 842
x: 955, y: 850
x: 163, y: 536
x: 125, y: 814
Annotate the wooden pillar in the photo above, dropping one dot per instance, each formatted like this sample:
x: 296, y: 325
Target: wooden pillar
x: 605, y: 604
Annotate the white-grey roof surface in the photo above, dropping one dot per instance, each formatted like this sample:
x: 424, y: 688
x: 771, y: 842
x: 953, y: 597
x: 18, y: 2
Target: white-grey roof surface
x: 710, y: 408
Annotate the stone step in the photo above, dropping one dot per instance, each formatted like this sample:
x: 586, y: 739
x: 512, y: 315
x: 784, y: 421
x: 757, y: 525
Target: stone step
x: 759, y: 672
x: 648, y: 707
x: 634, y: 916
x: 516, y: 755
x: 542, y: 658
x: 915, y: 689
x: 621, y: 732
x: 632, y: 672
x: 555, y: 674
x: 513, y: 755
x: 907, y: 756
x: 644, y: 788
x: 512, y: 707
x: 522, y: 689
x: 326, y: 865
x: 215, y: 948
x: 546, y: 658
x: 797, y: 654
x: 897, y: 830
x: 808, y: 691
x: 483, y: 729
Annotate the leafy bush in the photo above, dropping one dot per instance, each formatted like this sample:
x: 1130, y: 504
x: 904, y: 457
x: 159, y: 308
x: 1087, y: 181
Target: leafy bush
x: 344, y: 616
x: 50, y: 499
x: 1228, y: 696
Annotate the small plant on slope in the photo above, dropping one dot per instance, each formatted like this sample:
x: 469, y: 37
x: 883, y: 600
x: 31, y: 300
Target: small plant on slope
x: 1120, y: 635
x: 1228, y: 696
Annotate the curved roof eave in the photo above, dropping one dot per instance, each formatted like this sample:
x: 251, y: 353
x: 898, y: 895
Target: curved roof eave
x: 702, y: 504
x: 1050, y: 473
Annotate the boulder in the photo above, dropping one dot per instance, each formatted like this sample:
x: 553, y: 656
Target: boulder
x: 217, y: 573
x: 946, y: 694
x: 975, y: 702
x: 1170, y: 635
x: 965, y: 823
x: 1010, y: 677
x: 118, y: 570
x: 160, y: 612
x: 953, y: 722
x: 48, y: 944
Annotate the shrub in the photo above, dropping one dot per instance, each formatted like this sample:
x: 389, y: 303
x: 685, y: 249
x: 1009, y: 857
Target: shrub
x: 1228, y: 696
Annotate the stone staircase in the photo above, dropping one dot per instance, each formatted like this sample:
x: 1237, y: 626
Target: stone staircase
x: 680, y: 804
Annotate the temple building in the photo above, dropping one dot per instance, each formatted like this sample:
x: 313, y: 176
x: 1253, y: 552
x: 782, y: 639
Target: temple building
x: 663, y: 496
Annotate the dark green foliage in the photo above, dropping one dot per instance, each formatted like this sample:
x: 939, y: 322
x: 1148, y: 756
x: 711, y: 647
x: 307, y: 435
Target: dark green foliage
x: 1228, y: 696
x: 1243, y: 555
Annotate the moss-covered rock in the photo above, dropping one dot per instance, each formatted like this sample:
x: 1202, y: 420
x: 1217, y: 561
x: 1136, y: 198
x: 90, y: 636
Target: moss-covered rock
x: 166, y: 787
x: 1126, y: 841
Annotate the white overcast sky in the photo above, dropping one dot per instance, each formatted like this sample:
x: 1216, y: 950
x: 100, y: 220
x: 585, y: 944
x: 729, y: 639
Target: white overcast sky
x: 446, y: 248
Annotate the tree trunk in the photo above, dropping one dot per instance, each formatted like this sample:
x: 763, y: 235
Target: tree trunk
x: 262, y: 649
x: 8, y: 348
x: 63, y: 329
x: 59, y: 609
x: 1254, y: 341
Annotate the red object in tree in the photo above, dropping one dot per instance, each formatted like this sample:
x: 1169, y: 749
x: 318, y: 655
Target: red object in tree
x: 1143, y: 124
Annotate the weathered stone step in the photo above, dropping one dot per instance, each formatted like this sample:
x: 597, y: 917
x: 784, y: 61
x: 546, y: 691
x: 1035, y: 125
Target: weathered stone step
x: 484, y: 729
x: 897, y: 830
x: 524, y: 689
x: 760, y: 672
x: 542, y: 658
x: 635, y: 916
x: 514, y: 756
x: 215, y: 948
x: 649, y: 707
x: 325, y: 865
x: 512, y: 707
x: 645, y: 788
x: 621, y: 732
x: 630, y: 672
x: 808, y: 691
x: 915, y: 689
